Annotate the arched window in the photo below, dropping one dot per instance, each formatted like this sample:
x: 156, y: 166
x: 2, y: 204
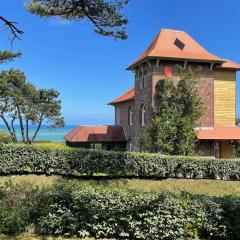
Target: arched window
x: 144, y: 78
x: 141, y: 80
x: 142, y: 115
x: 130, y: 116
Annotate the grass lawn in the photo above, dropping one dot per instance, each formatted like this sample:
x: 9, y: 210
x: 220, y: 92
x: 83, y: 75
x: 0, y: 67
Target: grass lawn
x: 50, y: 144
x: 208, y: 187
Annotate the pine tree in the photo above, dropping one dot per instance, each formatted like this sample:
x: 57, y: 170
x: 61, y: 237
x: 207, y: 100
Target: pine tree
x: 104, y: 15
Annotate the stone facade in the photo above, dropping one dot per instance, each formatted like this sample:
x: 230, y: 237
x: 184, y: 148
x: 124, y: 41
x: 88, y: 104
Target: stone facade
x: 121, y: 118
x: 206, y: 87
x: 154, y: 71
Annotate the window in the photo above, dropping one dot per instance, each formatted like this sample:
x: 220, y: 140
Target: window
x: 130, y: 116
x: 178, y: 43
x: 141, y: 80
x: 144, y: 79
x: 142, y: 115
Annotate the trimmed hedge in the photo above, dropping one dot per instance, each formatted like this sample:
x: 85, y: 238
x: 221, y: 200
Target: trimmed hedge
x: 67, y: 209
x: 78, y: 162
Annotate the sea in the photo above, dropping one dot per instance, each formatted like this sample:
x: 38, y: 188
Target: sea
x: 45, y: 133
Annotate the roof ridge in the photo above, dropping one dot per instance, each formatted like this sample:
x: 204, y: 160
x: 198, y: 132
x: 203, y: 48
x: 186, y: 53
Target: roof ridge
x: 172, y: 30
x: 153, y: 44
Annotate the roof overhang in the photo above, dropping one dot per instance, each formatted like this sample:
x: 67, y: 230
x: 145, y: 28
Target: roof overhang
x: 96, y: 134
x: 125, y: 97
x: 123, y: 101
x: 132, y: 66
x: 218, y: 133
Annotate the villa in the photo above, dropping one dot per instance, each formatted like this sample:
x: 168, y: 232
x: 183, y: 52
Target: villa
x: 217, y: 129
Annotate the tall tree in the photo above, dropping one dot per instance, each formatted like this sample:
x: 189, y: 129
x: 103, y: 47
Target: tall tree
x: 178, y: 108
x: 21, y: 101
x: 103, y: 14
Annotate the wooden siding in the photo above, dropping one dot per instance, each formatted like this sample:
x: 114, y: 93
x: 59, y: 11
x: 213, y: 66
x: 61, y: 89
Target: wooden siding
x: 225, y: 98
x: 226, y: 150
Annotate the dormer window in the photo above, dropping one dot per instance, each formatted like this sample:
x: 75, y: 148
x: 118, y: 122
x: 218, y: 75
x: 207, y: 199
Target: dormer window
x: 142, y: 115
x: 178, y: 43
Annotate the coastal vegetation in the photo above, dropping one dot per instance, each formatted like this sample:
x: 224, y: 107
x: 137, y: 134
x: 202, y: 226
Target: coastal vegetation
x: 22, y: 102
x: 48, y: 190
x: 5, y: 138
x: 19, y: 159
x: 69, y: 208
x: 100, y: 194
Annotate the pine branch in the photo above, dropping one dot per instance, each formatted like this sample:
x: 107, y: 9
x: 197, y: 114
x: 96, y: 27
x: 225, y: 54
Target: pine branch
x: 104, y: 15
x: 16, y: 32
x: 8, y: 56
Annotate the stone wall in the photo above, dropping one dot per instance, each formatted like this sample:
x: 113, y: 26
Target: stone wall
x: 121, y: 118
x: 206, y: 88
x: 142, y: 96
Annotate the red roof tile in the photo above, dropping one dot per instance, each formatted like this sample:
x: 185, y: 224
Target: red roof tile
x: 230, y: 64
x: 163, y: 47
x: 219, y: 133
x: 127, y: 96
x: 96, y: 134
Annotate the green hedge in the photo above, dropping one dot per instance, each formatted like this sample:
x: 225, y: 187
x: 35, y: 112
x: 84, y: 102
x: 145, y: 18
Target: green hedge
x: 77, y: 162
x: 67, y: 209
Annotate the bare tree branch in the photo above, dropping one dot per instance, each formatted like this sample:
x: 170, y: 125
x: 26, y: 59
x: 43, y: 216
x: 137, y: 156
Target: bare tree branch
x: 16, y: 32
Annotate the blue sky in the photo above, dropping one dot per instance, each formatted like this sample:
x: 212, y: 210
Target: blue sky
x: 89, y: 70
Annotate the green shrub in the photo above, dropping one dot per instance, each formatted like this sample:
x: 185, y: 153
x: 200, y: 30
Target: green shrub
x: 78, y: 162
x: 16, y: 204
x: 5, y: 138
x: 70, y: 209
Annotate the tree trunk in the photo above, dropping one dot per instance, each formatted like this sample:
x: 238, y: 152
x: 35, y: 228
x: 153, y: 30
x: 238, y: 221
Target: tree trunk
x: 27, y: 132
x: 13, y: 129
x: 21, y: 124
x: 37, y: 130
x: 13, y: 136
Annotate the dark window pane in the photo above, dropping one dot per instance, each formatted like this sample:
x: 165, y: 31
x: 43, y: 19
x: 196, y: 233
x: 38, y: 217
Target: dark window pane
x: 179, y: 44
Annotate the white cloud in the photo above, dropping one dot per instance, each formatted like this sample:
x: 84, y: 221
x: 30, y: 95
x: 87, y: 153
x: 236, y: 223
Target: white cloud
x: 59, y: 22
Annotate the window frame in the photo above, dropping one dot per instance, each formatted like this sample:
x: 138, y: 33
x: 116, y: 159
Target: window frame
x: 141, y: 84
x: 142, y: 115
x: 144, y: 79
x: 130, y: 116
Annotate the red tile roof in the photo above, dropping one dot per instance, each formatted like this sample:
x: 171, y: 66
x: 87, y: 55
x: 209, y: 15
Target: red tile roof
x: 219, y: 133
x: 96, y: 134
x: 230, y: 64
x: 127, y: 96
x: 163, y: 47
